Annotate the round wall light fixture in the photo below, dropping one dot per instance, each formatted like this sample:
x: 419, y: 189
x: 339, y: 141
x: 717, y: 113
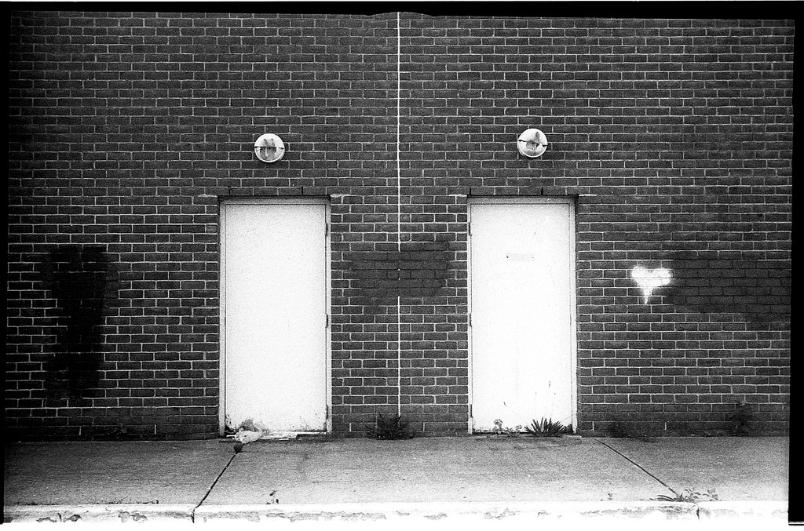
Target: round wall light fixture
x: 269, y: 148
x: 532, y: 143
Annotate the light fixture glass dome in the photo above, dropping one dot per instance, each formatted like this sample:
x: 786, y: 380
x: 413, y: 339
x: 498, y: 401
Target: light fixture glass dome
x: 269, y: 148
x: 532, y: 143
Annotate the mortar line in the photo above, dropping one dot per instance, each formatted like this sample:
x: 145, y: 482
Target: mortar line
x: 209, y: 490
x: 637, y: 465
x: 398, y: 125
x: 398, y: 219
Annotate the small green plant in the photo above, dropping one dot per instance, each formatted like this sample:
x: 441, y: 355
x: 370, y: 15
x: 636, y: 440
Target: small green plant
x: 623, y: 430
x: 389, y: 428
x: 617, y: 430
x: 118, y: 432
x: 740, y: 418
x: 547, y: 428
x: 690, y: 496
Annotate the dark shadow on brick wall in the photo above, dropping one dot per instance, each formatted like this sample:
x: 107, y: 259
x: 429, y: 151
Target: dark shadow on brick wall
x: 420, y: 269
x: 81, y: 280
x: 706, y: 282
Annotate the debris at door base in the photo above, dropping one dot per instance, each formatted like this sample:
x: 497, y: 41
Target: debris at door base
x: 280, y: 435
x: 284, y: 436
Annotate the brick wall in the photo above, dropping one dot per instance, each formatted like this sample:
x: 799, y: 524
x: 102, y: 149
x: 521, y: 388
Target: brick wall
x: 676, y: 138
x: 126, y: 129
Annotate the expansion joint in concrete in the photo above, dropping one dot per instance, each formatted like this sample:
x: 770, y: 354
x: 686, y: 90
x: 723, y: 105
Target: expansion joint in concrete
x: 668, y: 487
x: 212, y: 486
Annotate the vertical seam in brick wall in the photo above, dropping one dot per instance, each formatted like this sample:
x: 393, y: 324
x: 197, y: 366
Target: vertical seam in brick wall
x: 398, y: 219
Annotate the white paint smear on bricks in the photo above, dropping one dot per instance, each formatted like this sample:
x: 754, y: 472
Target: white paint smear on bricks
x: 649, y: 280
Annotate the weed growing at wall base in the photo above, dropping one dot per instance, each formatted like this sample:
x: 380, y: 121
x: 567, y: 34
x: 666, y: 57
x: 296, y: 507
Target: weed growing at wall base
x: 740, y: 418
x: 389, y: 428
x: 627, y: 430
x: 500, y: 429
x: 547, y: 428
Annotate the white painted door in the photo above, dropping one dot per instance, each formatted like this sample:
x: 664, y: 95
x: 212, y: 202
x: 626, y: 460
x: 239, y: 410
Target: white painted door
x: 522, y: 313
x: 274, y: 315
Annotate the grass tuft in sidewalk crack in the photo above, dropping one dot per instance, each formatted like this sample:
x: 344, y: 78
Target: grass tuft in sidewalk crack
x: 689, y: 495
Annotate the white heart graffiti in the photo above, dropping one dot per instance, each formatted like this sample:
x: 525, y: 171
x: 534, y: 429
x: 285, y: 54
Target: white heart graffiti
x: 650, y: 279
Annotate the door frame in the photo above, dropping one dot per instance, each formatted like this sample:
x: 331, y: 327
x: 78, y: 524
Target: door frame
x: 519, y: 200
x: 292, y: 200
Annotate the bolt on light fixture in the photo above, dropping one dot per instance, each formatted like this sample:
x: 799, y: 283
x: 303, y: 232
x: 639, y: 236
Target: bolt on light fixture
x: 269, y: 148
x: 532, y: 143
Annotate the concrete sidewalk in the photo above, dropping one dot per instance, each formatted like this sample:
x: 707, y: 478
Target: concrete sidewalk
x: 347, y: 479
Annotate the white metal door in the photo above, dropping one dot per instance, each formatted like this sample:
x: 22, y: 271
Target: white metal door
x: 522, y: 312
x: 274, y: 276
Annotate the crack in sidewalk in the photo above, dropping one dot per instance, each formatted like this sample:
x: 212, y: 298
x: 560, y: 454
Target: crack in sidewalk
x: 668, y: 487
x: 209, y: 490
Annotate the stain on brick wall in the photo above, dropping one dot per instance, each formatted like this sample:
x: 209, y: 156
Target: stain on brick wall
x: 80, y: 279
x: 420, y: 269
